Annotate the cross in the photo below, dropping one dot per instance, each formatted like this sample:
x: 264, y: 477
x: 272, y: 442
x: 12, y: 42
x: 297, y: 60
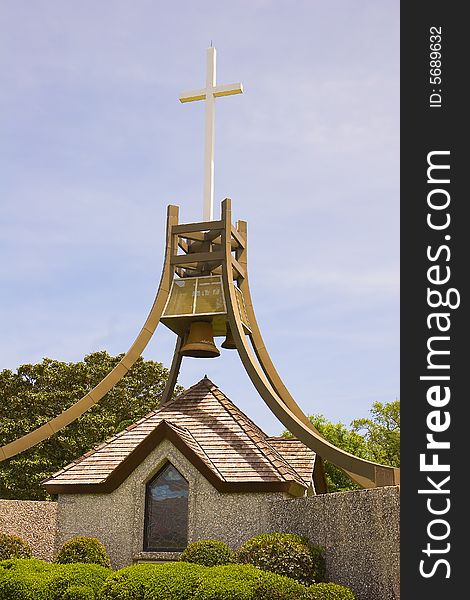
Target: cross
x: 209, y: 94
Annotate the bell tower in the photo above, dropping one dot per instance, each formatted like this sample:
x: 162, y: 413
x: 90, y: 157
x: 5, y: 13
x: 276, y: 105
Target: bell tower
x: 204, y: 293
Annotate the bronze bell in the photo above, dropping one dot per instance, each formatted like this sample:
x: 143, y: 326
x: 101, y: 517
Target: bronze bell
x: 200, y: 341
x: 229, y: 343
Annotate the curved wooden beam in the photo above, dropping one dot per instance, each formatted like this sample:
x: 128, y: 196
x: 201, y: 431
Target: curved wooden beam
x: 113, y: 377
x: 257, y: 339
x: 365, y: 473
x: 174, y: 372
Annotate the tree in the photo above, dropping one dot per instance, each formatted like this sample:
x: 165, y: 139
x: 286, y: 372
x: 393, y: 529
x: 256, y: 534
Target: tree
x: 379, y: 443
x: 382, y: 432
x: 36, y: 393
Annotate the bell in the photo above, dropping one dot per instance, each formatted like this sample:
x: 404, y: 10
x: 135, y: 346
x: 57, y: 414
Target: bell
x: 200, y: 341
x: 229, y: 343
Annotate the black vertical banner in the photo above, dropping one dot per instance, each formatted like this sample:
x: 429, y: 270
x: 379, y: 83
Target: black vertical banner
x: 435, y: 251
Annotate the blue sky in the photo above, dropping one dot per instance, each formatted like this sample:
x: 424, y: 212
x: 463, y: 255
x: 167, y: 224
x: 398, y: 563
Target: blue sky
x: 94, y: 144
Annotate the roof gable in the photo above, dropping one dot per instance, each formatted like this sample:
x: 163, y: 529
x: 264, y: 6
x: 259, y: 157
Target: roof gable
x: 227, y: 447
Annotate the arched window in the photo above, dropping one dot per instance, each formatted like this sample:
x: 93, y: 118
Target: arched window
x: 166, y: 512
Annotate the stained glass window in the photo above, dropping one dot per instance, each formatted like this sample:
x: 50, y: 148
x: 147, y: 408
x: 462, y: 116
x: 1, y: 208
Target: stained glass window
x: 166, y: 512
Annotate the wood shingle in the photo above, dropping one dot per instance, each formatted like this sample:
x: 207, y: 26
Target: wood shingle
x: 223, y: 442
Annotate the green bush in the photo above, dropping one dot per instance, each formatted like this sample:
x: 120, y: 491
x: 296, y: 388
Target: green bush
x: 208, y: 553
x: 14, y: 587
x: 37, y: 580
x: 247, y: 581
x: 188, y: 581
x: 78, y: 592
x: 31, y: 579
x: 80, y: 574
x: 12, y: 546
x: 278, y: 587
x: 234, y: 582
x: 286, y: 554
x: 83, y: 550
x: 168, y: 581
x: 329, y: 591
x: 214, y: 588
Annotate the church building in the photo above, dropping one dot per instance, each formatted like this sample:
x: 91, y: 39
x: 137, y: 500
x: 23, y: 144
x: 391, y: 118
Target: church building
x: 196, y: 468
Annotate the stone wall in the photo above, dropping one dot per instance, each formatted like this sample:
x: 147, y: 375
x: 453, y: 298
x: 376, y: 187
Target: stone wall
x: 35, y: 522
x: 359, y: 530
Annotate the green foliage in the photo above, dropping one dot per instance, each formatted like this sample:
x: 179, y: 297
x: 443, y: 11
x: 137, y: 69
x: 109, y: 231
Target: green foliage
x: 12, y: 546
x: 286, y: 554
x: 382, y: 432
x: 37, y: 393
x: 79, y: 592
x: 232, y: 583
x: 329, y: 591
x: 208, y: 553
x: 31, y: 579
x: 23, y: 579
x: 83, y: 550
x: 380, y: 442
x: 169, y: 581
x: 20, y: 579
x: 342, y: 437
x: 188, y: 581
x: 278, y: 587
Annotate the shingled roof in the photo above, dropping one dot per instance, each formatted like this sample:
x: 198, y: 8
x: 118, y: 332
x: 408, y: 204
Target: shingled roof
x: 227, y: 447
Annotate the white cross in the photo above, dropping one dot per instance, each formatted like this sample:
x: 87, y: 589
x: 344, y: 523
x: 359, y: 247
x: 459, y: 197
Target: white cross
x: 210, y: 93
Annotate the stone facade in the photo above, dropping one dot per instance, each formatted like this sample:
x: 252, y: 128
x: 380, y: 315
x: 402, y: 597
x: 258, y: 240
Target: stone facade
x: 35, y: 522
x: 359, y: 530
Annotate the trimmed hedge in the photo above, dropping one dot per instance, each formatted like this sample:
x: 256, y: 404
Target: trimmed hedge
x: 286, y: 554
x: 277, y: 587
x: 31, y: 579
x: 168, y: 581
x: 248, y: 579
x: 187, y: 581
x: 208, y: 553
x: 83, y: 550
x: 12, y: 546
x: 329, y: 591
x: 79, y: 592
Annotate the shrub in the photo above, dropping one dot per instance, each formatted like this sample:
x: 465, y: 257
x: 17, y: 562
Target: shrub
x: 234, y: 582
x: 248, y: 580
x: 278, y: 587
x: 37, y: 580
x: 12, y: 546
x: 23, y: 564
x: 78, y: 592
x: 329, y: 591
x: 208, y: 553
x: 83, y: 550
x: 31, y: 579
x: 286, y: 554
x: 63, y: 577
x: 185, y: 581
x: 168, y: 581
x: 215, y: 588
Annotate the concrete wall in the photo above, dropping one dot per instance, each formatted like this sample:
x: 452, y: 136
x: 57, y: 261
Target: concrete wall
x: 359, y: 530
x: 35, y: 522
